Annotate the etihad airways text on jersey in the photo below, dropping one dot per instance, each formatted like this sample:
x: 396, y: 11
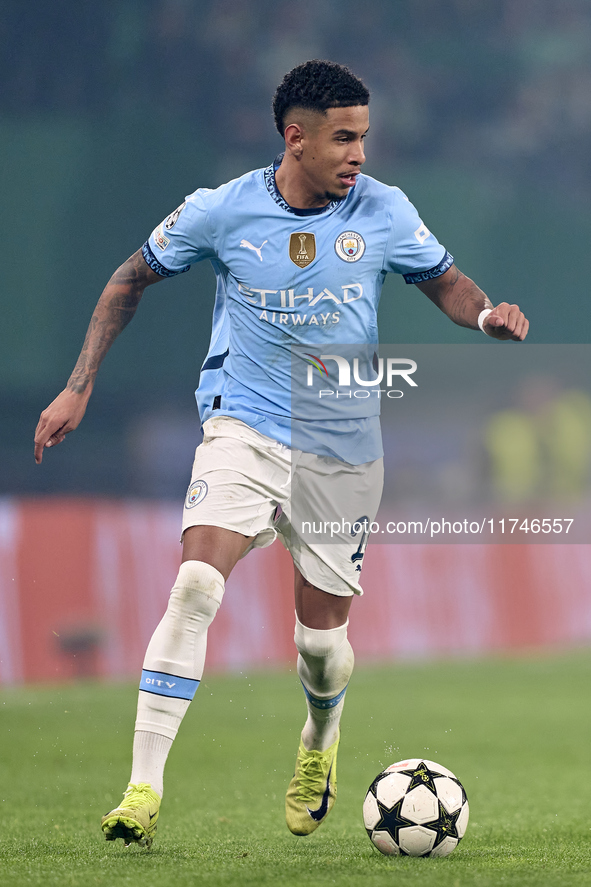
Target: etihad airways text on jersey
x: 288, y: 298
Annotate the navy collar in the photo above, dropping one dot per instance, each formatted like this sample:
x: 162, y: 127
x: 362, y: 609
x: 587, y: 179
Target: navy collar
x: 277, y: 196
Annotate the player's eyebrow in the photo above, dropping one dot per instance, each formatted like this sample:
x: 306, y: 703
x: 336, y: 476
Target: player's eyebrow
x: 350, y: 133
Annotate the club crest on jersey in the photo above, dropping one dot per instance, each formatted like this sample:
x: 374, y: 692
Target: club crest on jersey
x: 349, y: 246
x: 196, y: 493
x: 302, y: 248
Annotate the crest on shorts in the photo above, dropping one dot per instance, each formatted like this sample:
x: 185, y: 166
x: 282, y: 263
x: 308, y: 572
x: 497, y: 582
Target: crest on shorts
x: 196, y: 493
x: 349, y: 246
x: 302, y: 248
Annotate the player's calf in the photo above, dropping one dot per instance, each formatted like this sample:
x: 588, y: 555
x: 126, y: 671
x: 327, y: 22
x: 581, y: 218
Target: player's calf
x: 325, y: 664
x: 173, y: 667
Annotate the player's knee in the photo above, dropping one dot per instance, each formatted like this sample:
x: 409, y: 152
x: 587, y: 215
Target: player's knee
x: 319, y: 643
x: 197, y: 592
x: 326, y: 658
x: 325, y: 653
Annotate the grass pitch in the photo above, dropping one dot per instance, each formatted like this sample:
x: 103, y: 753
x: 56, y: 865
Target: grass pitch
x: 516, y: 732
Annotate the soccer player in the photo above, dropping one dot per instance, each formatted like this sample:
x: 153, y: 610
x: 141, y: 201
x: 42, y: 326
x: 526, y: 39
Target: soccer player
x: 300, y: 251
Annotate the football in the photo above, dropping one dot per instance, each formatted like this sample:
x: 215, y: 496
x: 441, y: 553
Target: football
x: 416, y: 808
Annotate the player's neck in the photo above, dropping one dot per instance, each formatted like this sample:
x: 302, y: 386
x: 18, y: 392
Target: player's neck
x: 294, y: 188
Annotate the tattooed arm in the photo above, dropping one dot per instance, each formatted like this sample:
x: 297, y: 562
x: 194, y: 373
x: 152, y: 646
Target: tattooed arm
x: 114, y: 310
x: 459, y: 297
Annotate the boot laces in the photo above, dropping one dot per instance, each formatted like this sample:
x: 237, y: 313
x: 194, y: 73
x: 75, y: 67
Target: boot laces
x: 311, y: 778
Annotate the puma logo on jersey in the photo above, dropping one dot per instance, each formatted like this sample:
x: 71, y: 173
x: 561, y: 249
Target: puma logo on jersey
x: 255, y: 249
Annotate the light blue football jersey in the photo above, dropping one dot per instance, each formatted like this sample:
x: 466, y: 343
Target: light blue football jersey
x: 288, y: 277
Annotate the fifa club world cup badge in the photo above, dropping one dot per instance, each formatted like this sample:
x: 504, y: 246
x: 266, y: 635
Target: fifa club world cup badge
x: 302, y: 248
x: 349, y: 246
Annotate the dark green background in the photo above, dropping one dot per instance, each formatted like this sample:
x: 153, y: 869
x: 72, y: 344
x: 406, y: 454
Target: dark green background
x: 112, y: 112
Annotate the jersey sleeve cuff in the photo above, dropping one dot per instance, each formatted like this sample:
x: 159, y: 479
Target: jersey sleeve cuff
x: 443, y: 266
x: 151, y: 260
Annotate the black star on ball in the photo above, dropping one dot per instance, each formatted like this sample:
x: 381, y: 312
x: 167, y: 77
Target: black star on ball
x: 391, y: 819
x: 446, y: 825
x: 421, y: 775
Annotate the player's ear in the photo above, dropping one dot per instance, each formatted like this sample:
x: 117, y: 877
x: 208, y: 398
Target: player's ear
x: 293, y: 139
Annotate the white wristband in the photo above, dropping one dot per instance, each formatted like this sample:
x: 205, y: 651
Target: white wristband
x: 482, y: 317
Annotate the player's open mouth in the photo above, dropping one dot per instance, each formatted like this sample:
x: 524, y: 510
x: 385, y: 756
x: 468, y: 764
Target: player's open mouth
x: 349, y: 179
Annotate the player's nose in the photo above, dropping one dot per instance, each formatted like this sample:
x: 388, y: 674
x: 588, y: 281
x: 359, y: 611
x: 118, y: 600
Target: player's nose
x: 357, y: 154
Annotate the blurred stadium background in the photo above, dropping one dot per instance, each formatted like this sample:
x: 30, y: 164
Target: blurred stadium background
x: 110, y: 113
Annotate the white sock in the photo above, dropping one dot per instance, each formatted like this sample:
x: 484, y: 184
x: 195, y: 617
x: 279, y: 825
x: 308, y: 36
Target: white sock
x: 150, y: 751
x: 325, y: 664
x: 173, y: 667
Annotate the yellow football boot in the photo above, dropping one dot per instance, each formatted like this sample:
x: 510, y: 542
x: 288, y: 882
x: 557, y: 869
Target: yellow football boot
x: 312, y: 791
x: 135, y: 819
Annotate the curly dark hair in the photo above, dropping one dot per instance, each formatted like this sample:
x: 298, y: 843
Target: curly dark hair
x: 317, y: 85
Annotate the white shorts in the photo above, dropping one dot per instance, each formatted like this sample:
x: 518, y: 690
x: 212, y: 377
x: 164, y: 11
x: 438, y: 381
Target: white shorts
x: 318, y: 506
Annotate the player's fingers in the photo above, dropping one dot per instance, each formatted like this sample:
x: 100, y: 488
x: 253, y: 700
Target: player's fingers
x: 506, y: 322
x: 497, y: 319
x: 40, y: 438
x: 515, y: 323
x: 510, y: 315
x: 520, y: 329
x: 44, y: 438
x: 495, y: 325
x: 501, y: 310
x: 38, y: 453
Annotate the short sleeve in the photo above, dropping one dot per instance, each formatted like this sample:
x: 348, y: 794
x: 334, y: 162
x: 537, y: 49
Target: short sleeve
x: 411, y: 249
x: 183, y: 238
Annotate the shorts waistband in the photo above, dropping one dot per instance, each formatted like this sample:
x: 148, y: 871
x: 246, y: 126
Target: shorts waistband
x: 227, y: 426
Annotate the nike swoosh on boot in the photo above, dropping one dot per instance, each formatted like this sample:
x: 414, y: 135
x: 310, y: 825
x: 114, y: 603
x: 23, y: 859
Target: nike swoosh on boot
x: 319, y: 814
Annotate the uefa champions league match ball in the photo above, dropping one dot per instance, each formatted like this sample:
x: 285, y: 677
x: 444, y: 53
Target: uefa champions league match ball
x: 416, y: 808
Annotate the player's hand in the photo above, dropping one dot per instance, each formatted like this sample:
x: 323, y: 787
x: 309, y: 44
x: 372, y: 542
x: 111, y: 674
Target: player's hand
x: 63, y: 415
x: 506, y: 322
